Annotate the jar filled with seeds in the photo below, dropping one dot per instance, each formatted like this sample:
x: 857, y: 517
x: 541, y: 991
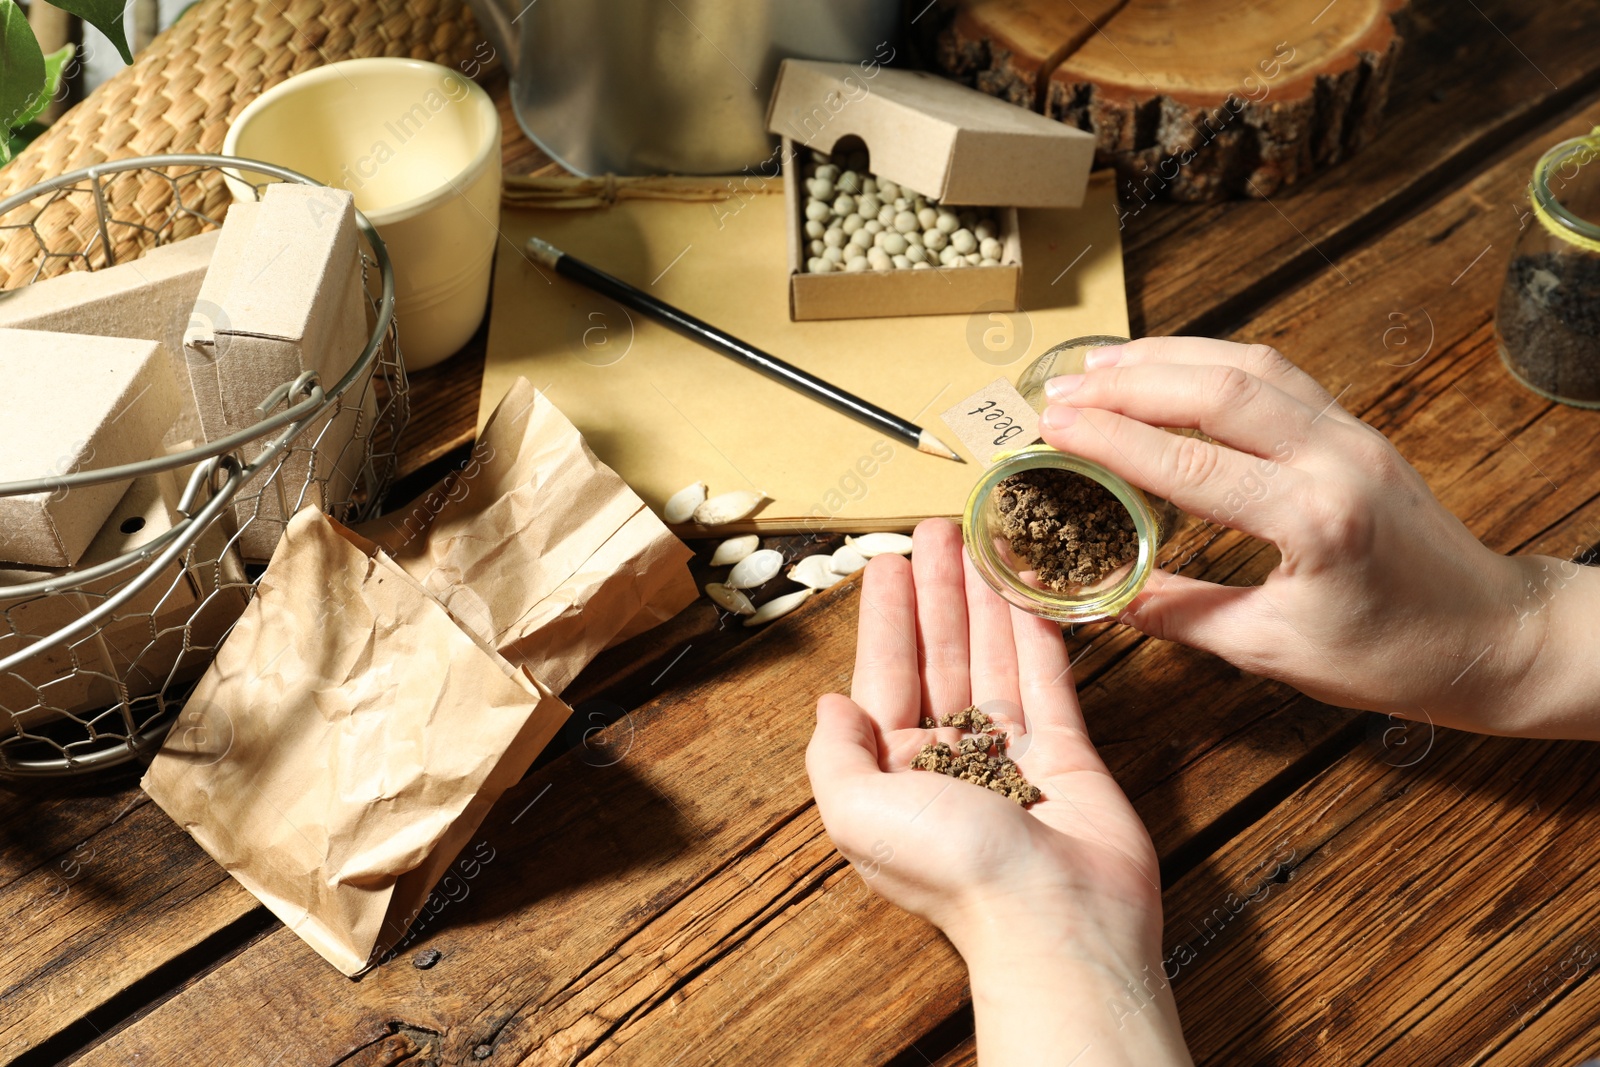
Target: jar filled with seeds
x: 1058, y: 535
x: 1547, y: 325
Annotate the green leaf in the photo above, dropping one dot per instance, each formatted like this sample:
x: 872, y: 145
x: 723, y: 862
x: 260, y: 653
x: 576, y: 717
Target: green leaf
x: 21, y: 71
x: 54, y: 64
x: 19, y: 139
x: 105, y: 16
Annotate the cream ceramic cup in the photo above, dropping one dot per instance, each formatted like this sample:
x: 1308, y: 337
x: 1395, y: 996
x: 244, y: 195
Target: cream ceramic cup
x: 419, y: 147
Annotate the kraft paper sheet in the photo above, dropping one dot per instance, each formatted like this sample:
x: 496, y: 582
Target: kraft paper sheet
x: 663, y: 412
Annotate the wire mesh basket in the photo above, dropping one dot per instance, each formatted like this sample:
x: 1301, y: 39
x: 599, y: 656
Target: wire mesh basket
x: 96, y: 659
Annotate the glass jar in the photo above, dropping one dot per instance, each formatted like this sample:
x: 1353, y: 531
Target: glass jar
x: 1012, y: 576
x: 1547, y: 325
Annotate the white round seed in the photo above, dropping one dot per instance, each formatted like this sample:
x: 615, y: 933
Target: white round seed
x: 816, y: 247
x: 844, y: 205
x: 972, y: 259
x: 817, y: 210
x: 851, y: 224
x: 758, y: 568
x: 888, y: 190
x: 935, y: 239
x: 834, y: 237
x: 853, y: 265
x: 848, y: 182
x: 947, y: 222
x: 880, y: 259
x: 922, y: 266
x: 963, y: 241
x: 878, y: 544
x: 816, y: 572
x: 927, y: 218
x: 833, y: 255
x: 984, y: 231
x: 847, y: 560
x: 905, y: 221
x: 989, y: 247
x: 916, y: 254
x: 730, y: 599
x: 900, y: 262
x: 815, y: 228
x: 680, y: 505
x: 734, y: 549
x: 778, y: 607
x: 862, y: 238
x: 893, y: 243
x: 728, y: 507
x: 869, y: 206
x: 828, y: 171
x: 869, y: 184
x: 872, y: 226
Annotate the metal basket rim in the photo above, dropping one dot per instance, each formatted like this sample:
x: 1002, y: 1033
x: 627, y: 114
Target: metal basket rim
x: 223, y: 445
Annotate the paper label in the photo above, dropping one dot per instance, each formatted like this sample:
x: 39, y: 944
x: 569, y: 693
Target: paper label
x: 995, y: 419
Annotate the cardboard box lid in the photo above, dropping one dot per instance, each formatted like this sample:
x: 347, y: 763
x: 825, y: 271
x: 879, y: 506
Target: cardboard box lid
x: 934, y: 135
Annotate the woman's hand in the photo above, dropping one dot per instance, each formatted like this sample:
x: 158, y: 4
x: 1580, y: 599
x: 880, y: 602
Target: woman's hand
x: 1383, y: 599
x: 1057, y: 908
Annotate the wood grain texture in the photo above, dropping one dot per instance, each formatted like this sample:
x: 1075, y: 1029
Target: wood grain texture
x: 1203, y: 268
x: 1217, y: 98
x: 1433, y: 913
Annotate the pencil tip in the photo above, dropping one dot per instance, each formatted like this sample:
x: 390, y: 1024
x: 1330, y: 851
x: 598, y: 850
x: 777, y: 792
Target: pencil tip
x: 930, y: 444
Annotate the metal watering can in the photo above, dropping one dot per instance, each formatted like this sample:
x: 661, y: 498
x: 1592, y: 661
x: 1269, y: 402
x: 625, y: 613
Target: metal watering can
x: 668, y: 86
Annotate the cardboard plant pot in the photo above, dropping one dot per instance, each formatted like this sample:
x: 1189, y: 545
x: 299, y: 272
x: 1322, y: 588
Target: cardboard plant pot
x: 950, y: 143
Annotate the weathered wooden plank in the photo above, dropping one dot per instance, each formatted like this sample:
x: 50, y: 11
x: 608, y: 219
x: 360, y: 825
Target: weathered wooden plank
x: 99, y: 893
x: 1455, y: 895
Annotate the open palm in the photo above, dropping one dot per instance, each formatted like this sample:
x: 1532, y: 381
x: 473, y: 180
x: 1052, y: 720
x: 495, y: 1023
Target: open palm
x: 934, y: 639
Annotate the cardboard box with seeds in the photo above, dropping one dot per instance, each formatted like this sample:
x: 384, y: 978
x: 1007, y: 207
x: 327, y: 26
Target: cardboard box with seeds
x: 950, y: 144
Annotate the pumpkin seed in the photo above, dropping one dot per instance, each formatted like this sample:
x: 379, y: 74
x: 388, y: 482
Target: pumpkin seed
x: 878, y: 544
x: 778, y: 607
x: 728, y: 507
x: 757, y: 568
x: 847, y: 560
x: 814, y: 571
x: 734, y: 549
x: 730, y: 599
x: 682, y: 504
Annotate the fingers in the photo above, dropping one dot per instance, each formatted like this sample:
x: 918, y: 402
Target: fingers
x: 1199, y: 476
x: 886, y: 683
x: 1226, y: 621
x: 992, y: 650
x: 1232, y: 406
x: 1049, y: 696
x: 1262, y: 361
x: 843, y: 748
x: 941, y: 605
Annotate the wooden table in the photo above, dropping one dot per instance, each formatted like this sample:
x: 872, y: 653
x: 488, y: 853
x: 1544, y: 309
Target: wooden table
x: 1346, y: 890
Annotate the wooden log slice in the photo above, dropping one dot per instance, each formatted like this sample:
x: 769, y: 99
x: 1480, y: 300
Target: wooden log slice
x: 1191, y: 99
x: 1007, y: 48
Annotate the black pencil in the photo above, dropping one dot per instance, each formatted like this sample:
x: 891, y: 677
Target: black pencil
x: 695, y: 329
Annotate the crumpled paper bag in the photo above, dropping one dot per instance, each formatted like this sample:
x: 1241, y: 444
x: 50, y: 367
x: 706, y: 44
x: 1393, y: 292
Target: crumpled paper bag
x: 372, y: 705
x: 346, y: 743
x: 538, y: 547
